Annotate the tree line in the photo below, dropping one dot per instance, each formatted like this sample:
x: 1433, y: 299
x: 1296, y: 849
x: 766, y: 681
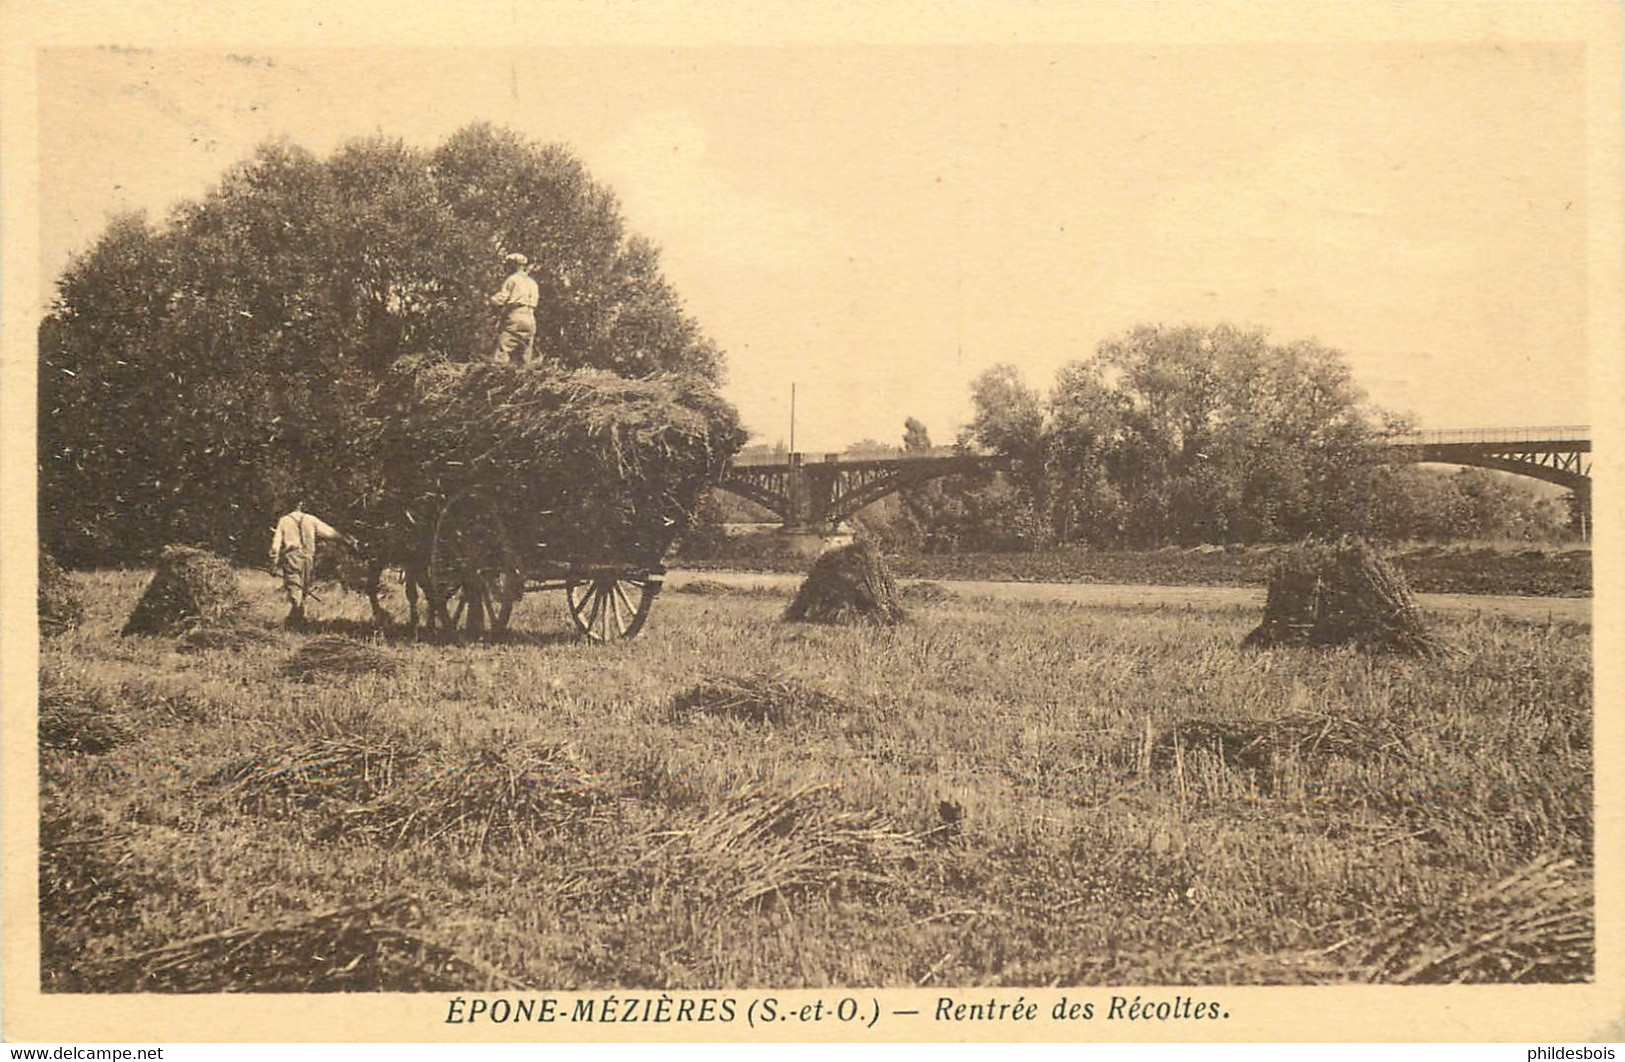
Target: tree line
x: 1189, y: 435
x: 198, y: 375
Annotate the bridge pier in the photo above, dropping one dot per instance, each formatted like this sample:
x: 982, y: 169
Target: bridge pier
x: 811, y: 542
x: 808, y: 490
x: 809, y: 527
x: 1580, y: 511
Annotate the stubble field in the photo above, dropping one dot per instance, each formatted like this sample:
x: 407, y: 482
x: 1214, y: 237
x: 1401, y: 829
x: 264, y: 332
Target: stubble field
x: 991, y: 794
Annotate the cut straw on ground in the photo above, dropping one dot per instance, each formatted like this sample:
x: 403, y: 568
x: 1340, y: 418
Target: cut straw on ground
x: 335, y: 655
x: 758, y: 698
x: 761, y: 845
x: 394, y: 793
x: 379, y: 946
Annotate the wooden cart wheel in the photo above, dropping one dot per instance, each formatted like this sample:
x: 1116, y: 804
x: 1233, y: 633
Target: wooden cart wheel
x: 475, y: 576
x: 609, y: 607
x: 485, y: 600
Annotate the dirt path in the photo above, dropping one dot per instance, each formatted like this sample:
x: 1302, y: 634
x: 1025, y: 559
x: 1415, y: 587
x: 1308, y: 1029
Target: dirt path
x: 1531, y: 609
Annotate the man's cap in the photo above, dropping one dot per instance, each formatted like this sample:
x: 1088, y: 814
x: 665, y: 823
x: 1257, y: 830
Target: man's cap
x: 516, y: 259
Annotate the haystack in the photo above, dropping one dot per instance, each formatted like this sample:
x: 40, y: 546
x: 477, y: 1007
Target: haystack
x: 1342, y: 594
x: 60, y: 608
x: 848, y: 585
x: 192, y: 588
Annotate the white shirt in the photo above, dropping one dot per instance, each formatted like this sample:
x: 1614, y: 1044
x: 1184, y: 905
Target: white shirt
x: 298, y: 532
x: 517, y: 290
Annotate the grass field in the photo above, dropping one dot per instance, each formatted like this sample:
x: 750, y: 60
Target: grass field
x: 991, y: 794
x: 1470, y: 568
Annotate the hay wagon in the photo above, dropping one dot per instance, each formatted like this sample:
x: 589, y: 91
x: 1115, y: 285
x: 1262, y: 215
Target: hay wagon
x: 498, y: 482
x: 475, y: 568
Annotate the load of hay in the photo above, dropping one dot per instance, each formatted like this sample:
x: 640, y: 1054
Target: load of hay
x: 1341, y: 594
x: 60, y: 608
x: 569, y: 464
x: 848, y: 585
x: 191, y: 588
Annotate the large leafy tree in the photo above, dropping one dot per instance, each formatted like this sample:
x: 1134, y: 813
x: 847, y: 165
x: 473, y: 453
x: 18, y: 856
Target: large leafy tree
x: 1202, y: 434
x: 1008, y: 419
x: 1183, y: 435
x: 1212, y: 434
x: 197, y: 375
x: 1206, y: 435
x: 1087, y: 421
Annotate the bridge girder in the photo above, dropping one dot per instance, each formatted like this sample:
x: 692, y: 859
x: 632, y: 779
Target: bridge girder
x: 1566, y: 463
x: 819, y: 495
x: 865, y: 486
x: 759, y: 488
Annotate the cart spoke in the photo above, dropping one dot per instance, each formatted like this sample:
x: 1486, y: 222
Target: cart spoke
x: 580, y: 600
x: 597, y: 605
x: 620, y: 595
x: 606, y: 604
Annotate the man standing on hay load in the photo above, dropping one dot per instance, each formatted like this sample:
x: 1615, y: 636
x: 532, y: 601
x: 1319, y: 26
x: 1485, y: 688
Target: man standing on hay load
x: 517, y: 303
x: 293, y: 556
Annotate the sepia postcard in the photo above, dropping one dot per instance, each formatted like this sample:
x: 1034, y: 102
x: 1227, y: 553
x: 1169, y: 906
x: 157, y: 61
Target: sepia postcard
x: 891, y: 523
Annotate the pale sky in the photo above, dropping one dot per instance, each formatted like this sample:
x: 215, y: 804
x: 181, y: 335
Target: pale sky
x: 880, y: 224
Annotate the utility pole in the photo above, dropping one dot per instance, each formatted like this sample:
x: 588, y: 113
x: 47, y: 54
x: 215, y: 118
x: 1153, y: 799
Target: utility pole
x: 792, y: 417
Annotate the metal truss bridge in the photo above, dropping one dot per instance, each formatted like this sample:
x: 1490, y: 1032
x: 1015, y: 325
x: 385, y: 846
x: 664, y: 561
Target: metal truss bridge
x: 1556, y: 455
x: 816, y: 495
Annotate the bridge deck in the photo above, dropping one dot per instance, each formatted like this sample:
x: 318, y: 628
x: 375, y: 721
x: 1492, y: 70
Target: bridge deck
x: 1568, y: 433
x: 886, y: 459
x: 1567, y: 436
